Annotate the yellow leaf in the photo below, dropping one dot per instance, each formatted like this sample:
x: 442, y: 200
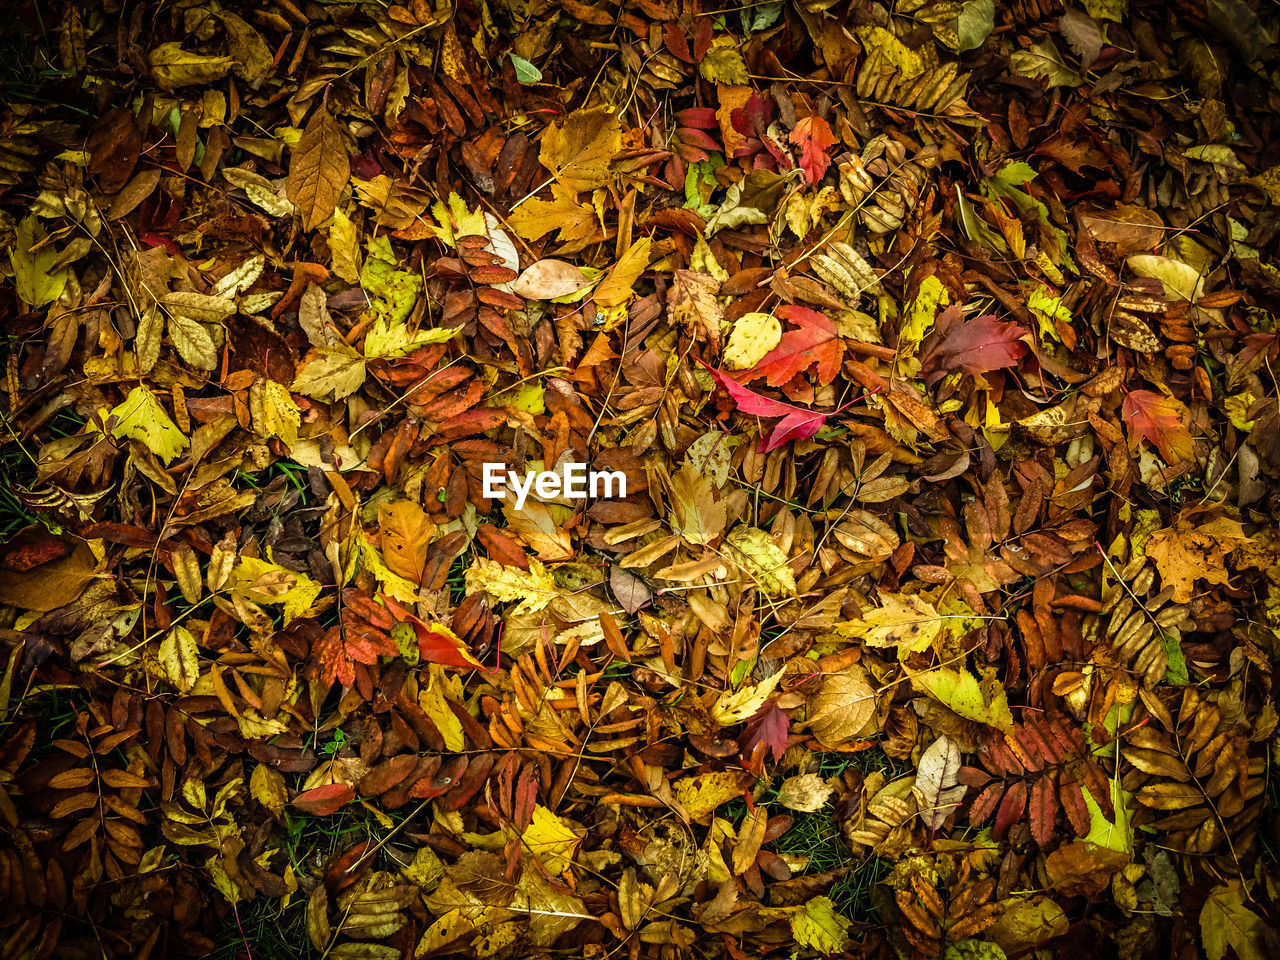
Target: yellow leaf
x: 344, y: 244
x: 274, y: 412
x: 762, y: 560
x: 434, y: 701
x: 578, y: 149
x: 384, y: 340
x: 265, y: 582
x: 406, y: 531
x: 550, y: 839
x: 534, y: 587
x: 819, y: 927
x: 535, y: 218
x: 695, y: 513
x: 615, y: 288
x: 394, y: 585
x: 267, y: 787
x: 455, y: 220
x: 172, y: 67
x: 179, y: 658
x: 723, y: 63
x: 842, y: 706
x: 807, y: 793
x: 36, y: 282
x: 739, y: 705
x: 908, y: 62
x: 330, y: 374
x: 923, y: 310
x: 701, y: 794
x: 1226, y: 921
x: 753, y: 335
x: 961, y: 692
x: 141, y: 417
x: 906, y: 622
x: 1188, y: 551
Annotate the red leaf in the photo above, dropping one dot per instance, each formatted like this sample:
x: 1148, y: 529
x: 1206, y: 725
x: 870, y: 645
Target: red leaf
x: 769, y: 725
x: 325, y: 801
x: 341, y: 648
x: 974, y: 346
x: 815, y: 342
x: 676, y: 43
x: 984, y: 804
x: 796, y: 424
x: 1077, y: 810
x: 1044, y: 810
x: 1011, y: 808
x: 813, y: 136
x: 1159, y: 420
x: 436, y: 642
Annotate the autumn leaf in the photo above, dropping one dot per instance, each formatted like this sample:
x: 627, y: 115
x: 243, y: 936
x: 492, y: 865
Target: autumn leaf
x: 769, y: 726
x: 318, y: 169
x: 578, y: 149
x: 326, y: 800
x: 1190, y: 551
x: 975, y: 346
x: 1158, y: 420
x: 340, y: 648
x: 796, y: 424
x: 937, y: 781
x: 813, y: 137
x: 752, y: 337
x: 815, y: 342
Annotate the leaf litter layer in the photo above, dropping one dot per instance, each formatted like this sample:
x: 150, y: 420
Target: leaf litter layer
x: 935, y: 342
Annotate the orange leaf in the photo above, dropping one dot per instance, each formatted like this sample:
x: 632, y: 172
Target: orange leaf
x: 1159, y: 420
x: 325, y: 801
x: 816, y: 342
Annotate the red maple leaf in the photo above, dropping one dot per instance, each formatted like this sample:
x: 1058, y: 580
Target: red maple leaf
x: 974, y: 346
x: 769, y: 725
x: 816, y: 342
x: 813, y: 136
x: 1159, y: 420
x: 797, y: 423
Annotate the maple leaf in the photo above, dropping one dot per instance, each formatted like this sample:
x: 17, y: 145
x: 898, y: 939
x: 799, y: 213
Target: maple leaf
x: 816, y: 342
x: 797, y: 423
x: 813, y: 136
x: 975, y: 346
x: 1159, y: 421
x: 769, y: 725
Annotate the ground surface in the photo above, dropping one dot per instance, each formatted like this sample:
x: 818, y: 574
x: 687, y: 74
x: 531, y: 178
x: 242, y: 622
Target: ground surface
x: 935, y: 343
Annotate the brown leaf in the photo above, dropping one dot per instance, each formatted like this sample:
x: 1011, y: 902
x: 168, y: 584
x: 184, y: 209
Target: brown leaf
x: 318, y: 169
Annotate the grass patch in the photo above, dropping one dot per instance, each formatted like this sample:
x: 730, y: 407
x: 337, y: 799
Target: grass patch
x: 818, y: 837
x: 270, y: 931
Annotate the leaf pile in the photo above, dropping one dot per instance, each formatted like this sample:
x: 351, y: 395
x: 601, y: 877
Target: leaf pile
x: 935, y: 341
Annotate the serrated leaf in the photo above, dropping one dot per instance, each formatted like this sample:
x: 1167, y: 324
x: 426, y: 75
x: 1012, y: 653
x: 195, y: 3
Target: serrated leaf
x: 534, y: 588
x: 141, y: 417
x: 761, y: 560
x: 319, y: 169
x: 819, y: 927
